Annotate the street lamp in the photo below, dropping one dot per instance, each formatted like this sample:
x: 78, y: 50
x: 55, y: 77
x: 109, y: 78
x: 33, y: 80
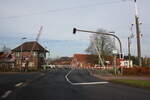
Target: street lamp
x: 103, y: 33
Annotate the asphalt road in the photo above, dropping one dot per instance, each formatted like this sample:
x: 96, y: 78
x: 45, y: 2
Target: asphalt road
x: 53, y: 85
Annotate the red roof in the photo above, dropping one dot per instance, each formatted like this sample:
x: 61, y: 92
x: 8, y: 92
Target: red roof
x: 28, y: 46
x: 5, y: 57
x: 86, y: 58
x: 5, y: 54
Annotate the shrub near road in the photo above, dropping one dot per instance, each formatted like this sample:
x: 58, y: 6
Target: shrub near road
x: 137, y: 71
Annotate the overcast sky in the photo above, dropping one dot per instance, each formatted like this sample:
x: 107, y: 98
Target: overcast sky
x: 23, y: 18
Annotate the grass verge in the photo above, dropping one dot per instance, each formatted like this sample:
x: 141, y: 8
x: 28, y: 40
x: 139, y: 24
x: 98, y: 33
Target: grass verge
x: 136, y: 83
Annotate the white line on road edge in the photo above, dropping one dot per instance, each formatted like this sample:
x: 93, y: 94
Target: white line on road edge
x: 89, y: 83
x: 6, y: 94
x: 86, y: 83
x: 19, y: 84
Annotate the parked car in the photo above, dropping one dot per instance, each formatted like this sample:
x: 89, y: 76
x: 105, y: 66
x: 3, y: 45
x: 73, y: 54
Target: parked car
x: 48, y: 66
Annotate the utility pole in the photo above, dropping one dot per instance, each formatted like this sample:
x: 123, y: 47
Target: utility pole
x: 138, y: 35
x: 129, y: 54
x: 129, y: 44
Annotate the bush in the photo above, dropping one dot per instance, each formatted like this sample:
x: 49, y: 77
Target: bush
x: 139, y: 71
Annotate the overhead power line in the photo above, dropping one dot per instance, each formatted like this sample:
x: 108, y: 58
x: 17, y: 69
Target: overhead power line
x: 62, y: 9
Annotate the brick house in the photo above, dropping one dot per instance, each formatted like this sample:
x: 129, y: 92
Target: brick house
x: 84, y: 60
x: 6, y: 61
x: 29, y: 55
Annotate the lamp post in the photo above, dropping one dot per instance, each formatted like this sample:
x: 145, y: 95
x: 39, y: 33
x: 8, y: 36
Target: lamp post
x: 103, y: 33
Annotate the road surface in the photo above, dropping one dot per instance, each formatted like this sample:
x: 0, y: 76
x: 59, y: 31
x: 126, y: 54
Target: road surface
x: 59, y: 84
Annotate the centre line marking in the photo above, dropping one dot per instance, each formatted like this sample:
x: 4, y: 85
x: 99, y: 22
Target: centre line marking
x: 19, y: 84
x: 42, y: 74
x: 6, y: 94
x: 85, y: 83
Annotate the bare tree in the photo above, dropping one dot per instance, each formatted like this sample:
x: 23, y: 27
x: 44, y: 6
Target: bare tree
x: 105, y: 44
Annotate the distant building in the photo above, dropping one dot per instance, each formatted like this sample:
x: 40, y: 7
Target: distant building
x: 146, y: 62
x: 29, y: 55
x: 84, y: 60
x: 6, y: 61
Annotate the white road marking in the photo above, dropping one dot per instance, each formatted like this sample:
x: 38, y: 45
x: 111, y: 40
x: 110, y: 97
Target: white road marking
x: 89, y: 83
x: 42, y: 74
x: 6, y: 94
x: 85, y: 83
x: 67, y: 77
x: 19, y: 84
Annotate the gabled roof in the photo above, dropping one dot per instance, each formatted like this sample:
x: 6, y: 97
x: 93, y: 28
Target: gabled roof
x: 5, y: 54
x: 6, y: 57
x: 30, y: 46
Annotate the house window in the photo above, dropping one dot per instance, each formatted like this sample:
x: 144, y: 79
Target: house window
x: 31, y: 64
x: 17, y: 54
x: 41, y: 55
x: 35, y: 54
x: 17, y: 61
